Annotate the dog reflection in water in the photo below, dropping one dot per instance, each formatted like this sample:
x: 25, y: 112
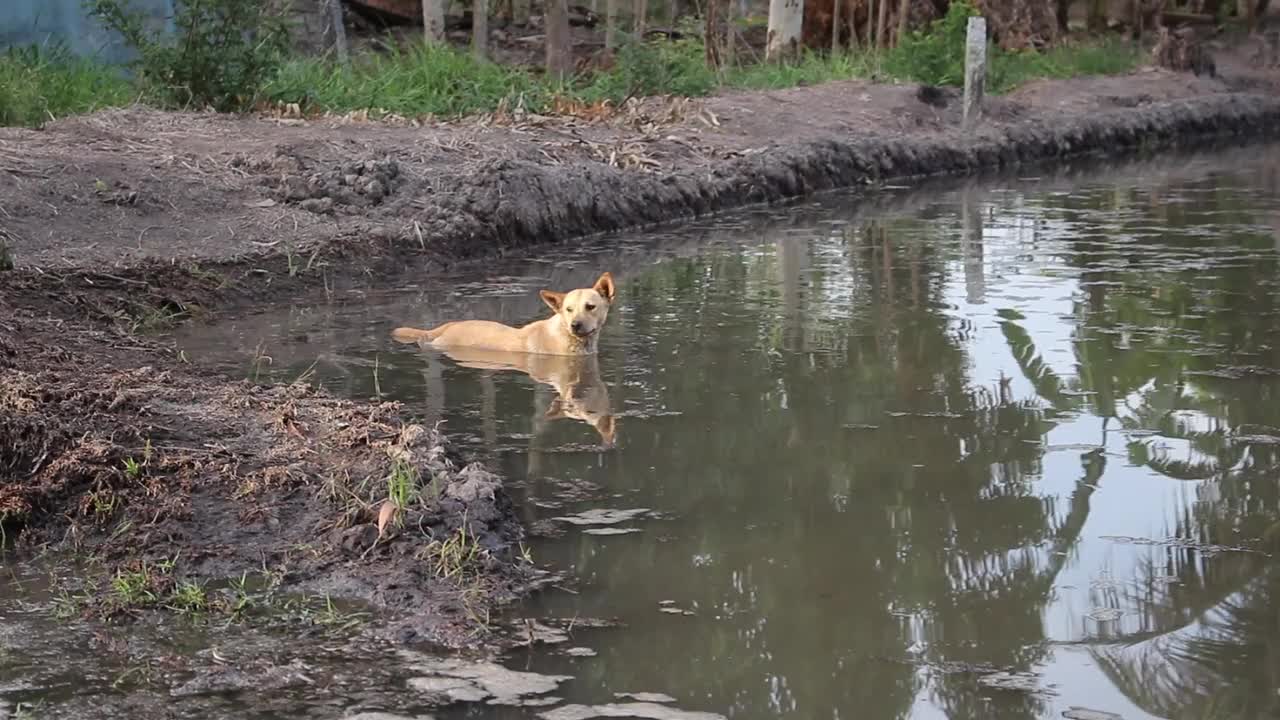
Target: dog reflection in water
x: 580, y: 390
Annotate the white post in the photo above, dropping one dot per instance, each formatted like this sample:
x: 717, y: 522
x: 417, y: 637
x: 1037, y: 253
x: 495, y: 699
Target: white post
x: 433, y: 20
x: 786, y: 18
x: 975, y: 70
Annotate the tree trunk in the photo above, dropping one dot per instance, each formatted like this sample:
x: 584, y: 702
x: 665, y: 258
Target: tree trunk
x: 871, y: 23
x: 881, y: 20
x: 339, y: 31
x: 559, y: 42
x: 1097, y: 15
x: 835, y: 26
x: 433, y: 20
x: 786, y: 19
x: 520, y: 13
x: 730, y: 34
x: 711, y: 34
x: 611, y: 24
x: 1064, y: 15
x: 641, y: 9
x: 480, y: 28
x: 904, y: 11
x: 852, y: 12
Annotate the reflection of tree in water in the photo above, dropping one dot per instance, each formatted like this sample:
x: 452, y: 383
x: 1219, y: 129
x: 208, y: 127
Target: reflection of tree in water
x: 1154, y: 339
x: 1225, y: 665
x: 929, y: 515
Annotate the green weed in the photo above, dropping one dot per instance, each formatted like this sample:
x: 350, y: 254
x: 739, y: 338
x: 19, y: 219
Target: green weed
x: 456, y: 556
x: 6, y: 253
x: 934, y: 55
x: 39, y: 84
x: 402, y: 484
x: 189, y: 598
x: 132, y: 468
x: 132, y: 588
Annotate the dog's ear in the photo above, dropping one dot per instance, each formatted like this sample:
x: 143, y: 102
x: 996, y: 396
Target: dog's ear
x: 554, y: 300
x: 555, y: 410
x: 604, y: 286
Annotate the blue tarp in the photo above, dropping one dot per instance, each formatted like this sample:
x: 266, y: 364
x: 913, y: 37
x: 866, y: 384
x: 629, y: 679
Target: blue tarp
x: 52, y: 22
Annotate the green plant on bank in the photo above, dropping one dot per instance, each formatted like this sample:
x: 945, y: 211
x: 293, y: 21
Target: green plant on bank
x: 402, y: 484
x: 455, y: 556
x: 132, y: 468
x: 229, y: 54
x: 43, y: 83
x: 221, y: 54
x: 6, y: 255
x: 189, y: 598
x: 936, y: 56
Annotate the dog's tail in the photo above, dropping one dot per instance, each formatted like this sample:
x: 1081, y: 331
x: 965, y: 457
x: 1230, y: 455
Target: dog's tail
x: 413, y: 335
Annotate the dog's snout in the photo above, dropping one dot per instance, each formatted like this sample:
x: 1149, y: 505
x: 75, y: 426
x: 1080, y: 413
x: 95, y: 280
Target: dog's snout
x: 577, y: 326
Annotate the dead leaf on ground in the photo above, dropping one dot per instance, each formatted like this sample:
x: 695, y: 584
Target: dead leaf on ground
x: 385, y: 515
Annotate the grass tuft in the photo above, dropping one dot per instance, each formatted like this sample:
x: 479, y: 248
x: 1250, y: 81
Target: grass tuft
x: 39, y: 84
x: 422, y: 79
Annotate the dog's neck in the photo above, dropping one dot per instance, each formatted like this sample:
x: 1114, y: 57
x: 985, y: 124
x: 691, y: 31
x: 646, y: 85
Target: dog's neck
x: 580, y: 345
x: 583, y: 346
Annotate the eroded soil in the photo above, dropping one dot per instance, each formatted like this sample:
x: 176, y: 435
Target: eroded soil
x: 126, y: 221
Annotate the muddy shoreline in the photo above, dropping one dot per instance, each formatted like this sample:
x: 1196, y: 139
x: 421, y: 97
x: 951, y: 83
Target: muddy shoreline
x: 125, y: 223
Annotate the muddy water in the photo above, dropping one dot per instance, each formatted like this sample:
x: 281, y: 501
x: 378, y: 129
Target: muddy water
x: 1000, y: 449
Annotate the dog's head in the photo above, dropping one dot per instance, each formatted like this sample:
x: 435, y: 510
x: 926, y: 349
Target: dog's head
x: 600, y: 418
x: 582, y: 311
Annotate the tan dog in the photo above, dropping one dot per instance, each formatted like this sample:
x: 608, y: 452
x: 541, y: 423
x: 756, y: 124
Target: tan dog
x: 574, y: 329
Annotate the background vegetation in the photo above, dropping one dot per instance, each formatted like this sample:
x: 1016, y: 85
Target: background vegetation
x: 232, y: 55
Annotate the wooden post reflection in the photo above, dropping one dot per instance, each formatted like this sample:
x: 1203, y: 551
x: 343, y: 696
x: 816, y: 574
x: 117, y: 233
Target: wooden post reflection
x: 975, y: 282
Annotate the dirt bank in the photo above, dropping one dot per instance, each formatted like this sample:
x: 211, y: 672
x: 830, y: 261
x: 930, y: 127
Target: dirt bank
x: 123, y: 222
x: 162, y: 476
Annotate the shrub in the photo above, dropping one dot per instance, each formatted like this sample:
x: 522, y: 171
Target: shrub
x: 222, y: 53
x: 934, y: 55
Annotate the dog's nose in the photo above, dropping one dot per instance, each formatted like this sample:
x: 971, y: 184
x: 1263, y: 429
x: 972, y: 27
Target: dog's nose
x: 577, y: 326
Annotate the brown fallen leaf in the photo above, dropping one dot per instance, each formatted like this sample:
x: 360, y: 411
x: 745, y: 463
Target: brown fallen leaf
x: 385, y: 515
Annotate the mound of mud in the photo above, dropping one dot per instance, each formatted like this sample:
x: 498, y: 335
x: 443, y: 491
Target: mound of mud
x: 351, y: 187
x: 147, y: 466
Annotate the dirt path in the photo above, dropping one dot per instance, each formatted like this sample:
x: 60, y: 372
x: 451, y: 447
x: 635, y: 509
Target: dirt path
x: 125, y: 221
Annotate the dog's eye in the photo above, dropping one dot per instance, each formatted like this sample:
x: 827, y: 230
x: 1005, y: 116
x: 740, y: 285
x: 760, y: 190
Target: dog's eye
x: 590, y: 307
x: 568, y: 309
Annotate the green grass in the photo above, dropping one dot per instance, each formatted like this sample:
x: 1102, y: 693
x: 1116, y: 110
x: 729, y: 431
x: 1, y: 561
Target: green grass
x: 420, y: 80
x: 40, y: 84
x: 1111, y: 56
x: 431, y: 80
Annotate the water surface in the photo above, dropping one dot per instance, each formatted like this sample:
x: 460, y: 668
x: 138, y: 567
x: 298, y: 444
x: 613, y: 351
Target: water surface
x: 887, y: 449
